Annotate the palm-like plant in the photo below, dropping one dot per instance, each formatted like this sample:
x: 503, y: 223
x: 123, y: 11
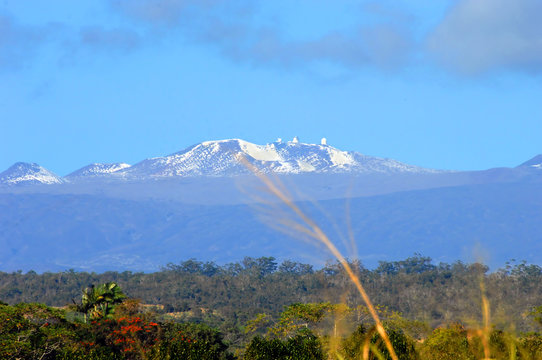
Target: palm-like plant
x: 99, y: 302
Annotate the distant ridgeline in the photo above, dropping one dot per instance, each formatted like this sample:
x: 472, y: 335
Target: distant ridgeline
x: 415, y: 287
x: 220, y: 158
x: 203, y: 202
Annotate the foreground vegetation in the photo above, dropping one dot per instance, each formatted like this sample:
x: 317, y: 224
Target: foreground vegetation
x: 316, y: 331
x: 258, y: 309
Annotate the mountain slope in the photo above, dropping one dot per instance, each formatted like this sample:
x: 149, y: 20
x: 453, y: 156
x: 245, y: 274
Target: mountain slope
x: 97, y: 169
x: 56, y: 232
x: 221, y: 158
x: 190, y: 204
x: 28, y: 174
x: 535, y: 162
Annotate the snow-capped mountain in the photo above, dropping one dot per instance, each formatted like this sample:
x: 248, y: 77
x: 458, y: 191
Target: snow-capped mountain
x: 535, y: 162
x: 198, y: 208
x: 221, y: 158
x: 227, y: 158
x: 97, y: 170
x: 28, y: 173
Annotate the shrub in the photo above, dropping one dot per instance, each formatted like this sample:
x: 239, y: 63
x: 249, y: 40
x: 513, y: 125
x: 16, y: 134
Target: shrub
x: 449, y: 343
x: 300, y: 347
x: 352, y: 347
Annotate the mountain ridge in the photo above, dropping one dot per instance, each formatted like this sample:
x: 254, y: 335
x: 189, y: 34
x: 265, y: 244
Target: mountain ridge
x: 97, y: 169
x: 220, y: 158
x: 114, y: 218
x: 535, y: 162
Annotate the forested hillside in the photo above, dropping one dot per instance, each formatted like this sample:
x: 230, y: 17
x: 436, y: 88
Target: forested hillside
x: 230, y: 295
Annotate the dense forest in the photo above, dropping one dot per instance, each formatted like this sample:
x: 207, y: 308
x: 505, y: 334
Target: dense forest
x: 227, y: 297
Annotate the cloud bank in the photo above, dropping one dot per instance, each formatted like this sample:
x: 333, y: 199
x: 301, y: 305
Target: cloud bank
x: 19, y: 43
x: 474, y: 36
x: 231, y: 26
x: 478, y: 36
x: 118, y: 39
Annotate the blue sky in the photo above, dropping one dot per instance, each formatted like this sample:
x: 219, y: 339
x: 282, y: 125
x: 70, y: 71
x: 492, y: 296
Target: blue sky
x: 454, y: 84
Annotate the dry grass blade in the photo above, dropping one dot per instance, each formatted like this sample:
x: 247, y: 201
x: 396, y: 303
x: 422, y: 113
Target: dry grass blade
x: 486, y: 329
x: 311, y: 229
x: 376, y: 352
x: 366, y: 348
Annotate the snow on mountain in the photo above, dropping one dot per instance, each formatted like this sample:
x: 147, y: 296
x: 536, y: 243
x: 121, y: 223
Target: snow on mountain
x: 535, y: 162
x: 221, y: 158
x: 28, y: 173
x: 97, y: 170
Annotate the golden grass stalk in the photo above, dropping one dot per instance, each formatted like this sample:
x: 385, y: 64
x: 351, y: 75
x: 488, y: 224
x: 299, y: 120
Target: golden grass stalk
x: 485, y: 313
x: 484, y: 331
x: 311, y: 229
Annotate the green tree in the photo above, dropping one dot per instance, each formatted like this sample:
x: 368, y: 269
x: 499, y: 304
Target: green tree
x: 361, y: 340
x: 99, y: 302
x: 34, y: 331
x: 300, y: 316
x: 303, y: 346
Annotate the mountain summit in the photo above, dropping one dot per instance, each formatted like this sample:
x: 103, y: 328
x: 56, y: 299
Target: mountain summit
x: 221, y: 158
x: 535, y: 162
x: 28, y: 173
x: 191, y: 203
